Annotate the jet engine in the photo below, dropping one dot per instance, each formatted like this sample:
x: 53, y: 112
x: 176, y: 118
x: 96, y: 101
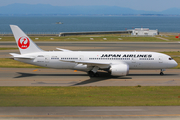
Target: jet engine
x: 119, y: 70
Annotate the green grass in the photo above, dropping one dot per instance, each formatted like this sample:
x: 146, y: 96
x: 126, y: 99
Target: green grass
x: 172, y: 53
x: 10, y: 63
x: 7, y: 48
x: 89, y: 96
x: 97, y: 38
x: 171, y: 38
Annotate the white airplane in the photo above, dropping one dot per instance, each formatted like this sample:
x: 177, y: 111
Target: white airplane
x: 116, y: 63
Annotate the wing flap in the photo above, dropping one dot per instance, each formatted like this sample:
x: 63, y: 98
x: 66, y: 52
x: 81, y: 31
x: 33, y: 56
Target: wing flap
x: 91, y: 63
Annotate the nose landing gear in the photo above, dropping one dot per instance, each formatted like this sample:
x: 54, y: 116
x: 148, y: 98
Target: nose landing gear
x: 161, y: 73
x: 162, y: 70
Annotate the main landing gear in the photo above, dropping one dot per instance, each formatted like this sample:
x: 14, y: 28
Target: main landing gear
x: 93, y: 72
x: 162, y: 70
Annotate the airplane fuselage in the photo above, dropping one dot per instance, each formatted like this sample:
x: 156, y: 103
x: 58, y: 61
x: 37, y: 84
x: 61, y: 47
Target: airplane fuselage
x: 116, y: 63
x: 135, y: 60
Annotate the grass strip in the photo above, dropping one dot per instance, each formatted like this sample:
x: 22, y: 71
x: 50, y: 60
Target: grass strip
x: 10, y: 63
x: 6, y: 48
x: 172, y: 53
x: 97, y: 38
x: 89, y: 96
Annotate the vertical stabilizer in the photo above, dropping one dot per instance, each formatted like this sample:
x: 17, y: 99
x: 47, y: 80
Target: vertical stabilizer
x: 24, y: 43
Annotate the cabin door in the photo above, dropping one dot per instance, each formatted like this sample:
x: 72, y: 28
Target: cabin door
x: 160, y: 59
x: 81, y: 58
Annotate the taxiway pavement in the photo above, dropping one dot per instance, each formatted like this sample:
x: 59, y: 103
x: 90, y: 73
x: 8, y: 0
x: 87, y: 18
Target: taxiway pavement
x: 95, y: 113
x: 54, y: 77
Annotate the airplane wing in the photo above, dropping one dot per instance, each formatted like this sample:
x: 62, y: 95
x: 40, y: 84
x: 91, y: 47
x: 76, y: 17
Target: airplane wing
x: 21, y: 56
x: 64, y: 50
x: 102, y: 65
x: 92, y: 63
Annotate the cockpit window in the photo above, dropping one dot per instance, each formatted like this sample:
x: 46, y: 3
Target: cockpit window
x: 170, y: 58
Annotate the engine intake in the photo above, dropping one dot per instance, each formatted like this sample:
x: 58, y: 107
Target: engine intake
x: 119, y: 70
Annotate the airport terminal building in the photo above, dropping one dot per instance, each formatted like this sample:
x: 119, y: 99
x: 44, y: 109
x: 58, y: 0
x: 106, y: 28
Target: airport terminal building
x: 144, y: 32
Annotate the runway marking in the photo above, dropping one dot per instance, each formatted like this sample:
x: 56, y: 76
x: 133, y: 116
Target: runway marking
x: 35, y: 70
x: 162, y: 38
x: 58, y: 116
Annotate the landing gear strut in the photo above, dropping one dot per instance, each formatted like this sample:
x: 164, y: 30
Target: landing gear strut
x: 93, y: 72
x: 161, y: 73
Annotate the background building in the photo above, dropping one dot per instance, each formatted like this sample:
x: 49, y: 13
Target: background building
x: 144, y: 32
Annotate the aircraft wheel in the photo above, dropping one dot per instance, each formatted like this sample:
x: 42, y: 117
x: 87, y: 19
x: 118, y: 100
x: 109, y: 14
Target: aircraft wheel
x: 96, y: 75
x: 161, y: 73
x: 91, y: 74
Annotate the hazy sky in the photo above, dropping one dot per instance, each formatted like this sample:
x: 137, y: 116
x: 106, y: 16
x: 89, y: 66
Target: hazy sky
x: 149, y: 5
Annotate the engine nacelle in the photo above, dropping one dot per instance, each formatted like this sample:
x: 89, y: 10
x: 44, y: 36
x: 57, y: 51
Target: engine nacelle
x: 119, y: 70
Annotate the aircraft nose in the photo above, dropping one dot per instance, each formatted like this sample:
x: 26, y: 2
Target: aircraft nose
x: 175, y: 63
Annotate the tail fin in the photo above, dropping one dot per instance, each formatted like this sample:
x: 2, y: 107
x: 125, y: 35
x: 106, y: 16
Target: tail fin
x: 24, y: 43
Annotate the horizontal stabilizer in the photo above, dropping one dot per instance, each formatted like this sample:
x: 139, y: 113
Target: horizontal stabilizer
x: 21, y: 56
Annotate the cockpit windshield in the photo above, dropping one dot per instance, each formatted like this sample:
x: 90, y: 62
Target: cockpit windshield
x: 170, y: 58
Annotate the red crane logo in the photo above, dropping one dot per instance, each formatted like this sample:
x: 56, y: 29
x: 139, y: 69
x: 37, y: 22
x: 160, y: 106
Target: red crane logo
x: 23, y: 42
